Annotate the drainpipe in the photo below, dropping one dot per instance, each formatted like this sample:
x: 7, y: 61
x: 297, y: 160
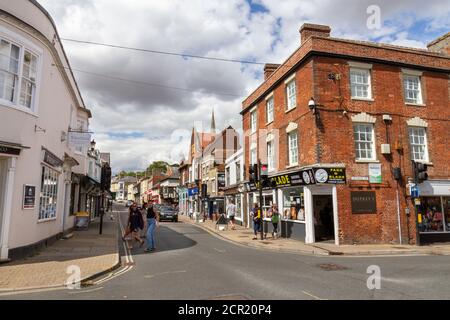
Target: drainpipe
x: 398, y: 218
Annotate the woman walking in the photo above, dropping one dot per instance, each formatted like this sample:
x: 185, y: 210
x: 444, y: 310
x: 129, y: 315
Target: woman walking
x: 152, y: 223
x: 275, y: 217
x: 135, y: 222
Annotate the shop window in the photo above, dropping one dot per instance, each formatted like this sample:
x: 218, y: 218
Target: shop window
x: 432, y: 215
x: 49, y: 192
x: 446, y: 205
x: 238, y: 202
x: 293, y: 204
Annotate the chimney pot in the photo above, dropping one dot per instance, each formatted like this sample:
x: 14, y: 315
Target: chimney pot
x: 308, y: 29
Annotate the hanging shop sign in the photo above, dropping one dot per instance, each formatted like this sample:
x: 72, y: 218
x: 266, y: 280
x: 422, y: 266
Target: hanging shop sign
x: 79, y: 139
x: 363, y: 202
x: 192, y: 191
x: 9, y: 150
x: 29, y: 197
x: 375, y: 172
x: 221, y: 181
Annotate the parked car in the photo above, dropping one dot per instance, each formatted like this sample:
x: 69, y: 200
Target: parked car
x: 129, y: 203
x: 168, y: 214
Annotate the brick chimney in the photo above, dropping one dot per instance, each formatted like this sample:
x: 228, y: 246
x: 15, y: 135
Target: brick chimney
x: 269, y: 68
x: 307, y: 30
x: 441, y: 44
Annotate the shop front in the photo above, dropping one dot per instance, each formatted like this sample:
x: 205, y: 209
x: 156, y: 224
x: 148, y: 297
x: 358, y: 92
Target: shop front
x: 433, y: 209
x: 235, y: 195
x: 306, y: 200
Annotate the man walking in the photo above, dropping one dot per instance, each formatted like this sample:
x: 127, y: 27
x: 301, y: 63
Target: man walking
x: 231, y: 212
x: 256, y: 215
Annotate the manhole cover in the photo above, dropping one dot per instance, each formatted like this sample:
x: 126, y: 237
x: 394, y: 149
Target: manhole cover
x: 331, y: 267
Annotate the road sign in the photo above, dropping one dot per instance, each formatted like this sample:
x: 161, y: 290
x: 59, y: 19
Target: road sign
x: 415, y: 192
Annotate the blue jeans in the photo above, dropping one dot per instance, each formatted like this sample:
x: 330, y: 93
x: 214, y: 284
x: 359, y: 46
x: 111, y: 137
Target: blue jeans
x: 151, y: 225
x: 256, y: 227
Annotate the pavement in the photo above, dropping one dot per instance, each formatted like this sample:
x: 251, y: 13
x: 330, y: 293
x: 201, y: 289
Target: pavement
x: 244, y: 236
x: 94, y: 254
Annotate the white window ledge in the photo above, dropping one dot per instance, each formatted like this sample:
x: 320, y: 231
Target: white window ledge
x: 424, y: 162
x: 289, y: 110
x: 363, y: 99
x: 415, y: 104
x: 47, y: 220
x: 292, y: 165
x: 367, y: 161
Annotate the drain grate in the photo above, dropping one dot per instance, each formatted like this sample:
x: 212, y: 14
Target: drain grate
x: 331, y: 267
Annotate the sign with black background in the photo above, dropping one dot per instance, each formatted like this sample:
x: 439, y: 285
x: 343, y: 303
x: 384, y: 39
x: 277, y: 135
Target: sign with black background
x: 363, y: 202
x: 29, y: 196
x: 220, y: 181
x: 9, y: 150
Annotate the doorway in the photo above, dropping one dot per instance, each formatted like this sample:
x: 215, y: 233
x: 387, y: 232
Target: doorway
x: 323, y: 218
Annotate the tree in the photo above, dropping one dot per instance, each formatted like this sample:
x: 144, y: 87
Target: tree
x: 161, y: 165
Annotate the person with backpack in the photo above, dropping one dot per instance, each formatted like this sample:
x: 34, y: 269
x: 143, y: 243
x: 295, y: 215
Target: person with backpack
x: 152, y: 223
x: 256, y: 215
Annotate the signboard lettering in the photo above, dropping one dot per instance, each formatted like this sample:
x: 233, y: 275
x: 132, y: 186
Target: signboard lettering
x: 9, y: 150
x: 29, y: 197
x: 363, y: 202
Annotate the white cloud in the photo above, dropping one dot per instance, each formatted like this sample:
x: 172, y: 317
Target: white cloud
x: 161, y: 117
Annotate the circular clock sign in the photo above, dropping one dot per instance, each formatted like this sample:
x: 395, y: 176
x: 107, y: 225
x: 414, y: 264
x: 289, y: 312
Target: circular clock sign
x: 321, y: 176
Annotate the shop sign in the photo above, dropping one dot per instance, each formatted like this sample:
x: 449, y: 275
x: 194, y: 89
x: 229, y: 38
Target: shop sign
x: 9, y: 150
x: 52, y: 160
x: 375, y: 172
x: 220, y: 181
x: 330, y: 175
x: 79, y: 139
x: 192, y: 191
x: 363, y: 202
x: 29, y: 197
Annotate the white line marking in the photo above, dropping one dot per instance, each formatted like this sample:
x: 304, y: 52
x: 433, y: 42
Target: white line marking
x: 311, y: 295
x: 86, y: 291
x: 220, y: 250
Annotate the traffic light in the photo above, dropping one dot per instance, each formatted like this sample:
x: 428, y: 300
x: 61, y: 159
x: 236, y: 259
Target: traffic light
x: 253, y: 172
x: 105, y: 180
x: 420, y: 172
x: 264, y: 175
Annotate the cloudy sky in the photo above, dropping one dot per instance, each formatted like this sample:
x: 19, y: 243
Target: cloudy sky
x: 142, y: 121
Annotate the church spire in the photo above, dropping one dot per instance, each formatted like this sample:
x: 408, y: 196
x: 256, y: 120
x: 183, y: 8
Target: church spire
x: 213, y: 123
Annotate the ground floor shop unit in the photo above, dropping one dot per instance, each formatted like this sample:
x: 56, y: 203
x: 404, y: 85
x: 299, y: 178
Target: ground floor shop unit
x: 35, y: 198
x: 433, y: 211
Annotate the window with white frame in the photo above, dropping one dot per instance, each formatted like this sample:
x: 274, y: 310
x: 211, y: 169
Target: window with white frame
x: 270, y: 156
x: 227, y: 176
x: 269, y: 110
x: 360, y: 83
x: 49, y: 192
x: 253, y: 159
x: 238, y: 172
x: 17, y: 85
x: 293, y: 148
x: 412, y: 89
x: 364, y: 141
x: 418, y: 143
x: 28, y: 85
x: 9, y: 70
x: 253, y: 119
x: 291, y: 95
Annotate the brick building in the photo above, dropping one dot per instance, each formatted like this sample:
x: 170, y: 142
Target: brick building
x: 335, y: 121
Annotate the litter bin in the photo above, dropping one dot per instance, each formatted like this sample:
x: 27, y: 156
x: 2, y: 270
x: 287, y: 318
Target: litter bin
x: 82, y: 220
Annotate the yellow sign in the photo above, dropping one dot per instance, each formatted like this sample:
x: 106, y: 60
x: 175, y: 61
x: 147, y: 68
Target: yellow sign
x: 419, y: 218
x: 282, y: 180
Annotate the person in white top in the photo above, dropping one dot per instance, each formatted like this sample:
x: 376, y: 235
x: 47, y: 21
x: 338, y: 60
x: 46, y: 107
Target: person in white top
x: 231, y: 212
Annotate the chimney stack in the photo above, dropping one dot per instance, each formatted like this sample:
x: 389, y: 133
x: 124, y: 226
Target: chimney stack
x: 269, y: 68
x: 307, y: 30
x: 441, y: 44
